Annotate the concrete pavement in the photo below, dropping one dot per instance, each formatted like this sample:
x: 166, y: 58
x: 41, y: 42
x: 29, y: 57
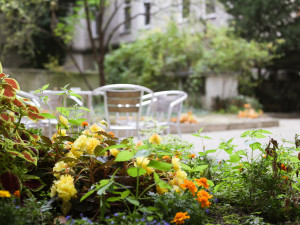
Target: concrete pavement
x: 286, y: 130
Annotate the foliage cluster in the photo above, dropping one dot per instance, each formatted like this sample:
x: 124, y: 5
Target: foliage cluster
x: 91, y: 176
x: 159, y: 54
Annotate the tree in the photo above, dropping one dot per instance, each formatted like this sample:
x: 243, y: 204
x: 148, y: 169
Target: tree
x: 268, y: 21
x: 61, y: 29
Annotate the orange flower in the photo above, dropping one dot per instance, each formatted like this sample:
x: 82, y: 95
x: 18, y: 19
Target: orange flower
x: 205, y: 194
x: 166, y: 157
x: 264, y: 156
x: 17, y: 194
x: 283, y: 167
x: 180, y: 217
x: 111, y: 133
x: 285, y: 177
x: 202, y: 182
x: 192, y: 156
x: 84, y: 124
x: 247, y: 105
x: 204, y: 201
x: 190, y: 185
x: 203, y: 198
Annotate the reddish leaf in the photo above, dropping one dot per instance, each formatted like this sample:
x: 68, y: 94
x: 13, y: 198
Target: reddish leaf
x: 2, y: 75
x: 4, y: 116
x: 33, y: 108
x: 29, y: 157
x: 13, y: 83
x: 8, y: 94
x: 10, y: 182
x: 18, y: 103
x: 34, y: 184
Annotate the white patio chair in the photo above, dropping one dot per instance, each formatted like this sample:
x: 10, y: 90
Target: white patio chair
x: 41, y: 124
x: 165, y: 105
x: 122, y: 103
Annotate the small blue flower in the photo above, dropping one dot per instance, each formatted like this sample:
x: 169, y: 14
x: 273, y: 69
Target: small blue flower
x: 68, y: 217
x: 17, y: 207
x: 112, y: 222
x: 143, y: 220
x: 124, y: 217
x: 216, y: 200
x: 116, y: 214
x: 81, y: 215
x: 207, y: 211
x: 107, y: 217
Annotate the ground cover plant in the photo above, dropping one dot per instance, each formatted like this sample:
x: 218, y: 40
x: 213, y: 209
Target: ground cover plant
x: 84, y: 174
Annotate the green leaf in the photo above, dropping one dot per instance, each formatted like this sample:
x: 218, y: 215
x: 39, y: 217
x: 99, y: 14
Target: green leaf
x: 45, y: 87
x: 124, y: 156
x: 201, y: 153
x: 185, y: 167
x: 87, y: 195
x: 229, y: 141
x: 102, y: 190
x: 113, y: 199
x: 156, y: 177
x: 142, y: 153
x: 1, y: 69
x: 160, y: 165
x: 234, y: 159
x: 125, y: 194
x: 84, y: 108
x: 210, y: 151
x: 47, y: 115
x: 99, y: 150
x: 264, y: 131
x: 133, y: 201
x: 199, y: 168
x: 63, y: 110
x: 294, y: 185
x: 206, y: 137
x: 76, y: 95
x: 134, y: 171
x: 76, y: 122
x: 246, y: 133
x: 211, y: 184
x: 255, y: 145
x: 163, y: 184
x: 200, y: 130
x: 259, y: 135
x: 294, y: 159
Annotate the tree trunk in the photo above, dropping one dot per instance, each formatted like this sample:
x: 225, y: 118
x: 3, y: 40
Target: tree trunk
x: 101, y: 68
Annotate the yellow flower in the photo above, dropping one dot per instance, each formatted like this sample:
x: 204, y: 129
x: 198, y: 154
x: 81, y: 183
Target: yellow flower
x: 176, y: 164
x: 60, y: 167
x: 92, y: 143
x: 103, y: 122
x: 79, y: 146
x: 96, y: 128
x: 4, y: 194
x: 114, y: 152
x: 180, y: 217
x: 62, y: 132
x: 155, y: 139
x: 54, y: 137
x: 176, y: 188
x: 87, y: 132
x: 142, y: 162
x: 161, y: 190
x: 63, y: 120
x: 181, y: 175
x: 149, y: 170
x: 64, y: 188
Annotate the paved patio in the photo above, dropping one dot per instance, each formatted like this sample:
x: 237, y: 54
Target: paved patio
x: 286, y: 130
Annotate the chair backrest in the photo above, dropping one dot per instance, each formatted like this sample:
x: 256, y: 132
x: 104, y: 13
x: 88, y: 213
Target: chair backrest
x: 122, y: 102
x: 166, y: 103
x: 56, y: 99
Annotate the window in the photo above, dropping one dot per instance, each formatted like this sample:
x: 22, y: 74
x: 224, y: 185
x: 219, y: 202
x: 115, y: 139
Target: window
x: 147, y: 6
x: 210, y: 9
x: 185, y: 8
x: 127, y: 15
